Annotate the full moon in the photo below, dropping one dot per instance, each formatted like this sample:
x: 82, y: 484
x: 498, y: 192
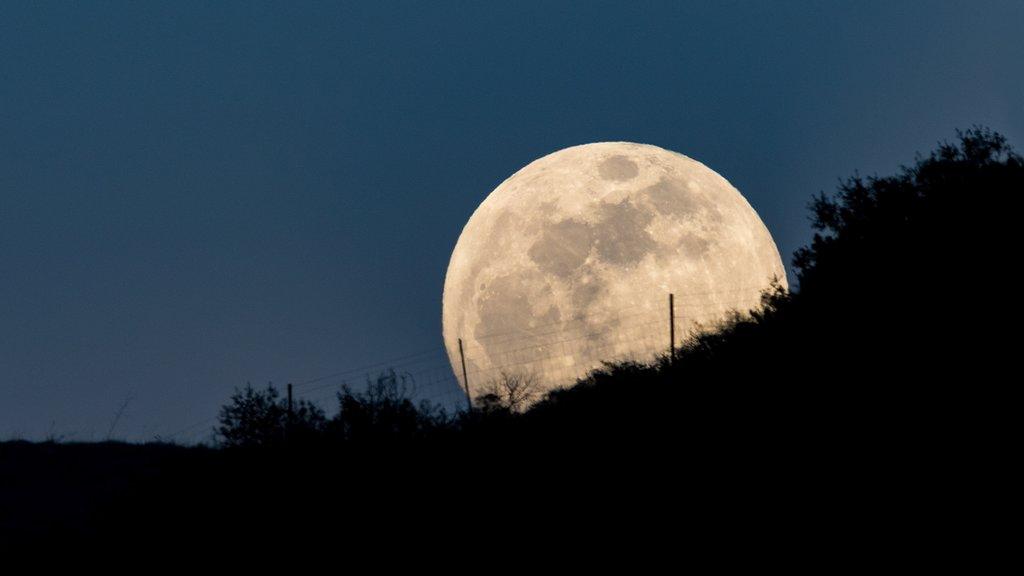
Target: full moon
x: 571, y: 260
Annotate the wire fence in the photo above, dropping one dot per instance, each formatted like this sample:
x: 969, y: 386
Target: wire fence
x: 553, y: 353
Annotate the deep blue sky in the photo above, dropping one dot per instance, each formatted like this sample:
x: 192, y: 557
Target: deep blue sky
x: 198, y: 194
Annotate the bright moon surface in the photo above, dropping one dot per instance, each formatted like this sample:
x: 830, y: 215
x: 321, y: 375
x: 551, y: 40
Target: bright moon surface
x: 570, y: 262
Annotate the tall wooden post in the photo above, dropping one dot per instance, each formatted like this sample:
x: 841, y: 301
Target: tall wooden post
x: 465, y: 379
x: 672, y: 328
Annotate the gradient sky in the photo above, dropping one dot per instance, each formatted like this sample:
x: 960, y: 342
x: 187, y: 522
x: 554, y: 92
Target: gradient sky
x: 198, y: 194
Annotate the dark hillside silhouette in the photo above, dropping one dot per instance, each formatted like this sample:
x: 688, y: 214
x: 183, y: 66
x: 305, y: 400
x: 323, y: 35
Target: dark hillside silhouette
x: 890, y: 333
x: 884, y: 354
x: 885, y: 336
x: 875, y: 366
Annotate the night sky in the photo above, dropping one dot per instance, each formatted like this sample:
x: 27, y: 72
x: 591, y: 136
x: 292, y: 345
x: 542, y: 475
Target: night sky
x: 194, y: 195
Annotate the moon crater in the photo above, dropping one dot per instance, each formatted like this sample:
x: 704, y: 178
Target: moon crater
x: 619, y: 168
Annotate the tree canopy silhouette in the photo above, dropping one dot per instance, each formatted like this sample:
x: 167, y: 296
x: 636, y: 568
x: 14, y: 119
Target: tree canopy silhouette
x: 905, y: 267
x: 383, y: 412
x: 254, y: 417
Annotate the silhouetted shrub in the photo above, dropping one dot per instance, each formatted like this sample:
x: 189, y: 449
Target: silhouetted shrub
x: 260, y: 418
x: 509, y: 392
x: 384, y: 411
x: 906, y: 271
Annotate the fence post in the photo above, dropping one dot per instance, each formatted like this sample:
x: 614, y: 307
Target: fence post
x: 465, y: 378
x: 672, y: 328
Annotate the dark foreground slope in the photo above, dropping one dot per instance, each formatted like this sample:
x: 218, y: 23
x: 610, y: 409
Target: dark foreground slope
x: 866, y: 409
x: 52, y: 488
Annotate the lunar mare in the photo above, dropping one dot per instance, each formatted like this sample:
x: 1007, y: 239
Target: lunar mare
x: 570, y: 261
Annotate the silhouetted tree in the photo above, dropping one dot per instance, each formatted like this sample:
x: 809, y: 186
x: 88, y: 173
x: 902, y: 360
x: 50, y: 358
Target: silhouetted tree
x: 914, y: 224
x: 510, y: 391
x: 260, y: 418
x: 907, y: 269
x: 383, y: 411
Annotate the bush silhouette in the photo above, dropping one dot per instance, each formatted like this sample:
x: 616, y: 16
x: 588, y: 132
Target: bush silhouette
x: 254, y: 418
x: 383, y: 412
x: 901, y: 270
x: 509, y: 392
